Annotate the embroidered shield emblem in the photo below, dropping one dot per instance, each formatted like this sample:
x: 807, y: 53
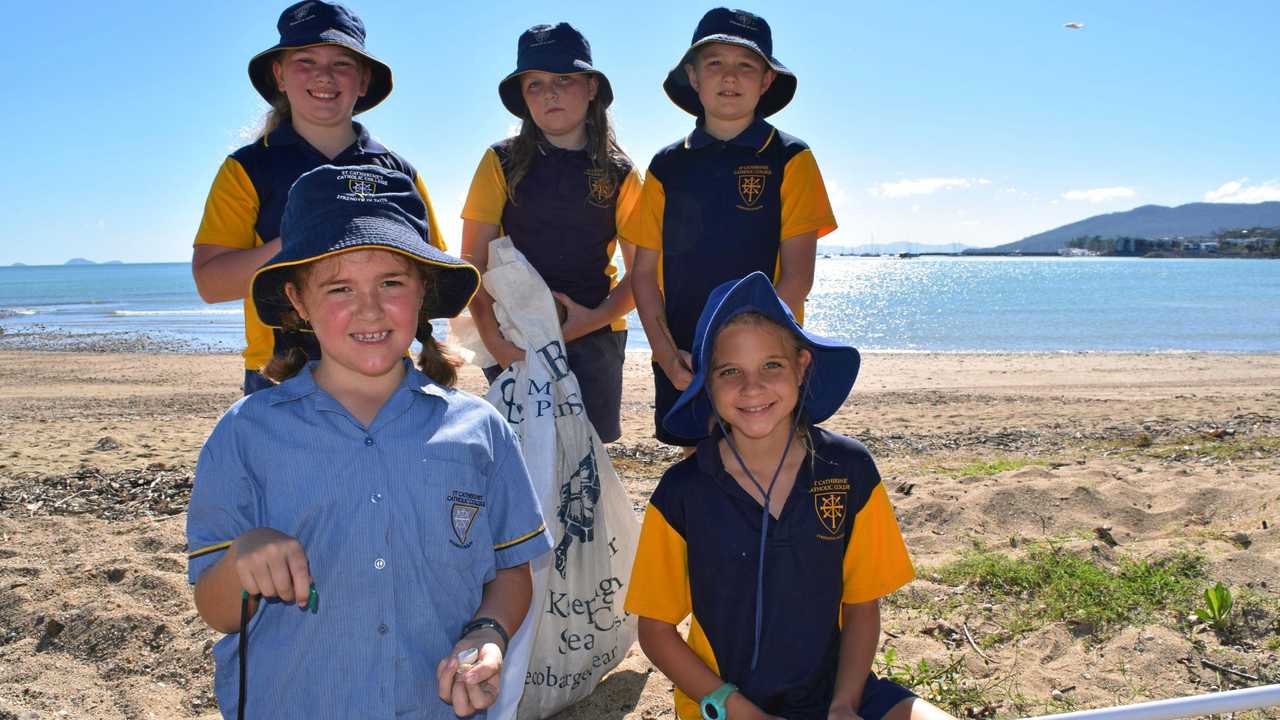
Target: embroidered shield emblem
x: 830, y: 509
x: 463, y: 516
x: 362, y: 187
x: 750, y: 188
x: 600, y: 188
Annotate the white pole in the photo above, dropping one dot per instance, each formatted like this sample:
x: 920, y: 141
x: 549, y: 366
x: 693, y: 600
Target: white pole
x: 1210, y: 704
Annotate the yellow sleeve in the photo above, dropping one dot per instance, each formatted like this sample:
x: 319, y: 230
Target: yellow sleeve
x: 876, y: 561
x: 231, y: 210
x: 628, y: 197
x: 805, y: 205
x: 433, y: 227
x: 488, y: 194
x: 660, y: 575
x: 643, y: 227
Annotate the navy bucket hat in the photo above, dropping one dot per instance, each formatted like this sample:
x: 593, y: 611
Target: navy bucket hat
x: 557, y: 49
x: 732, y: 27
x: 831, y: 373
x: 333, y: 210
x: 315, y: 22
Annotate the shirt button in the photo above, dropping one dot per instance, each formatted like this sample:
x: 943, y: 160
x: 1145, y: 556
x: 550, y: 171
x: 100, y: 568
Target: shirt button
x: 382, y: 629
x: 375, y: 498
x: 379, y: 564
x: 368, y: 442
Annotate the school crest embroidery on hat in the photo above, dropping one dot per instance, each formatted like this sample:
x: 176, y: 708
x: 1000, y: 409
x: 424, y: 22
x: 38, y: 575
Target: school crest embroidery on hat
x: 600, y: 187
x: 303, y: 13
x: 746, y: 20
x: 542, y: 36
x: 360, y: 185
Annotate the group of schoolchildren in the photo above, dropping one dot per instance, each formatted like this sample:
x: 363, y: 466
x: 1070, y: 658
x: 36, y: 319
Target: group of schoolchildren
x: 362, y: 531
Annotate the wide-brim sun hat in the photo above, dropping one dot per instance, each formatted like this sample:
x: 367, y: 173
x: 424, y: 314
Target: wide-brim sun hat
x: 732, y: 27
x: 334, y: 210
x: 828, y: 381
x: 557, y: 49
x: 315, y: 22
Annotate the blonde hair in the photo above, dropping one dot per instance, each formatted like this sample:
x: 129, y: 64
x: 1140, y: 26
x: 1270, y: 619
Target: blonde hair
x: 437, y: 360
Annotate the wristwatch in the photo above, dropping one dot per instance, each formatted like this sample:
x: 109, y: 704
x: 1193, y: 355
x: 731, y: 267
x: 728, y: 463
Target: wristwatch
x: 712, y: 706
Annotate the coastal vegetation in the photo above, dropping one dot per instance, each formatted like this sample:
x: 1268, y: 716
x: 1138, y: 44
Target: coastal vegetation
x: 1240, y: 242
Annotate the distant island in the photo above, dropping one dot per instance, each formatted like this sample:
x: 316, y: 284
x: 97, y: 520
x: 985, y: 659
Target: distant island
x: 79, y: 261
x: 1164, y: 228
x: 893, y: 248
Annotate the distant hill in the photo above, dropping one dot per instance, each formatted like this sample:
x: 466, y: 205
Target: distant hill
x: 1152, y: 221
x: 892, y: 248
x: 113, y: 262
x: 18, y: 265
x: 79, y: 261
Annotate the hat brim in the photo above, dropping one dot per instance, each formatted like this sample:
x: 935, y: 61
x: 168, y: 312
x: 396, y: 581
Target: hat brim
x: 829, y: 379
x: 513, y: 99
x: 454, y: 281
x: 380, y: 82
x: 774, y: 99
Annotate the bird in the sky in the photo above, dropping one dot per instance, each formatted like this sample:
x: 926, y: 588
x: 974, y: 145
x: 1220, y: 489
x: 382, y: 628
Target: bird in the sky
x: 1074, y: 26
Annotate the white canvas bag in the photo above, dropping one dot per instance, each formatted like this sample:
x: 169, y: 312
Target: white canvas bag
x: 576, y: 629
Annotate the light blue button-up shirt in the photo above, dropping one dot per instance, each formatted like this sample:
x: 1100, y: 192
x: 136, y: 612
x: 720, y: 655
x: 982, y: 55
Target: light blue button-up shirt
x: 403, y: 522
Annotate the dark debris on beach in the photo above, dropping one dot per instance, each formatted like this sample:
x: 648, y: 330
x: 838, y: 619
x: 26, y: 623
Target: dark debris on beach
x: 158, y: 491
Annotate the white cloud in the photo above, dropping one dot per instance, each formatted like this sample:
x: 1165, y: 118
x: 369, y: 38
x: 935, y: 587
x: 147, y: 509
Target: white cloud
x: 1238, y: 191
x: 922, y: 186
x: 915, y: 209
x: 1099, y: 195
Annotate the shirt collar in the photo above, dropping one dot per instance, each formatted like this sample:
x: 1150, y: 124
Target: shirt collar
x: 757, y: 136
x: 304, y: 384
x: 365, y: 143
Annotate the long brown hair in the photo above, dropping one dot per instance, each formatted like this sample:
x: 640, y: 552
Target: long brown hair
x: 602, y: 146
x: 437, y: 360
x: 280, y: 112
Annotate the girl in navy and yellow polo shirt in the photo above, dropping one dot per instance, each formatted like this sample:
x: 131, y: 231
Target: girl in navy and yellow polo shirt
x: 776, y: 535
x: 316, y: 78
x: 560, y: 189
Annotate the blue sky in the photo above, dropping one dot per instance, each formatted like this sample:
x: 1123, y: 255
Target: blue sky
x: 976, y: 123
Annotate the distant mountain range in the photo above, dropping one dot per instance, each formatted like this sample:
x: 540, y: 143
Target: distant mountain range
x: 1152, y: 221
x: 82, y: 261
x: 892, y: 248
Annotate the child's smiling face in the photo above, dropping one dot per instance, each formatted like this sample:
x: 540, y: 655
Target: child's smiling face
x: 322, y: 82
x: 729, y: 80
x: 363, y: 306
x: 755, y: 375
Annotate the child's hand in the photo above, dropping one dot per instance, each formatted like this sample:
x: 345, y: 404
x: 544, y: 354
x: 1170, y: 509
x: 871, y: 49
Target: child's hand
x: 272, y: 564
x: 506, y: 352
x: 472, y: 686
x: 577, y: 319
x: 842, y: 713
x: 679, y: 368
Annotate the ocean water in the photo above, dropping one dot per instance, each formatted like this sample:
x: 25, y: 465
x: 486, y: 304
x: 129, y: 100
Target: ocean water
x: 936, y: 304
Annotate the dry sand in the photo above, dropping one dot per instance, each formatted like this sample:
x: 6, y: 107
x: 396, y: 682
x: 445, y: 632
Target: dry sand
x: 1168, y: 452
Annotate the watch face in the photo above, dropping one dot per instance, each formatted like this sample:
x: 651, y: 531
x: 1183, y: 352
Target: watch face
x: 711, y: 711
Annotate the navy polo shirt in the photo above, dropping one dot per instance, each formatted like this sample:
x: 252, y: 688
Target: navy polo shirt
x: 719, y: 210
x: 248, y: 196
x: 564, y: 218
x: 836, y: 541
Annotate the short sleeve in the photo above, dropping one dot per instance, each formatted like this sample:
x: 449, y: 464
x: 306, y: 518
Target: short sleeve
x: 643, y: 227
x: 224, y: 499
x: 805, y: 205
x: 433, y: 227
x: 515, y: 515
x: 876, y: 561
x: 488, y: 193
x: 659, y: 586
x: 628, y: 197
x: 231, y: 209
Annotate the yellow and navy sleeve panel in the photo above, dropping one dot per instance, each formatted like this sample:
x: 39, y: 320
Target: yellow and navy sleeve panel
x: 628, y: 197
x: 659, y: 586
x: 488, y: 193
x: 516, y: 526
x: 643, y: 226
x: 805, y: 205
x: 225, y: 501
x: 876, y: 562
x: 439, y: 241
x: 230, y: 210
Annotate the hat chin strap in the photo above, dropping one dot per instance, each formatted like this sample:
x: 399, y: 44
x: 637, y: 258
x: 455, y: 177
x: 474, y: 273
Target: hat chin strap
x: 764, y: 515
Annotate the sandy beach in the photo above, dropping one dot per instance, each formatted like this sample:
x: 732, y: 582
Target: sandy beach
x: 1112, y: 459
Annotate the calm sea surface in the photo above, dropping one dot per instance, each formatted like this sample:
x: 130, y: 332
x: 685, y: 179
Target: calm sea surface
x: 921, y: 304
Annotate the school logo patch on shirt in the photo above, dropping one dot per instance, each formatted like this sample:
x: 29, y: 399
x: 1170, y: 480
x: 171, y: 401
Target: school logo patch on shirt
x: 751, y: 182
x: 600, y: 188
x: 829, y: 503
x: 463, y: 509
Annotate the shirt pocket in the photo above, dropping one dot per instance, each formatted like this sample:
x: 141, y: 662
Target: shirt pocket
x: 459, y: 527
